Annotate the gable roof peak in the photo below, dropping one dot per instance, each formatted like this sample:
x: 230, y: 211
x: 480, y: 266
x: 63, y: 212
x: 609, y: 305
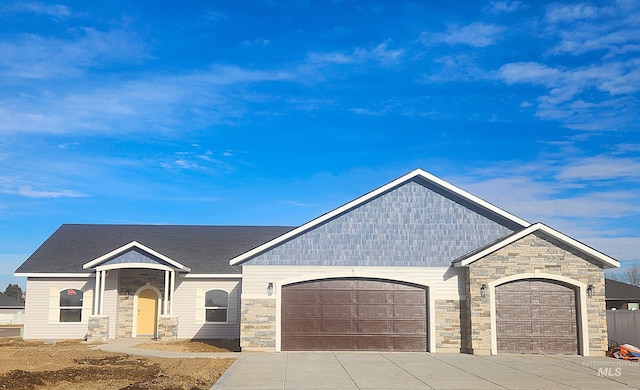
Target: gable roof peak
x: 125, y: 248
x: 411, y: 176
x: 607, y: 262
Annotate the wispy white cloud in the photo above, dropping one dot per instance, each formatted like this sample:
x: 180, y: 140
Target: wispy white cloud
x: 31, y: 56
x: 571, y: 12
x: 300, y: 204
x: 256, y: 42
x: 57, y: 11
x: 583, y: 28
x: 506, y: 7
x: 476, y: 34
x: 459, y: 67
x: 601, y: 168
x: 154, y: 103
x: 569, y: 96
x: 379, y: 53
x: 574, y: 195
x: 30, y: 192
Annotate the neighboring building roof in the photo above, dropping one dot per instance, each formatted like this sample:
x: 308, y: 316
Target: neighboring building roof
x: 619, y: 291
x: 607, y: 262
x: 468, y: 206
x: 7, y: 302
x: 204, y: 249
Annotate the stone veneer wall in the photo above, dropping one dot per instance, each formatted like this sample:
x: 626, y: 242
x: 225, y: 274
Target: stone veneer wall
x: 168, y: 328
x: 451, y: 324
x: 258, y: 326
x: 132, y: 280
x: 98, y: 329
x: 541, y: 252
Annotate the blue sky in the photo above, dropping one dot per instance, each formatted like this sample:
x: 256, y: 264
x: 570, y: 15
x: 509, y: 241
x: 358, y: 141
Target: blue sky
x: 274, y: 112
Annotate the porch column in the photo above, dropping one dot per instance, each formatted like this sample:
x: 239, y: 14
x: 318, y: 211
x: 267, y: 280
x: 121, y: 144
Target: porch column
x: 166, y: 293
x: 173, y: 290
x: 102, y: 283
x: 96, y: 295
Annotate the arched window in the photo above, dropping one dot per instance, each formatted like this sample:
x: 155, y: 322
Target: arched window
x: 216, y: 303
x: 71, y: 305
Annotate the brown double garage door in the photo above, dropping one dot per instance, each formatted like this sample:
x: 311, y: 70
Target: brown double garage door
x: 536, y: 316
x: 353, y: 314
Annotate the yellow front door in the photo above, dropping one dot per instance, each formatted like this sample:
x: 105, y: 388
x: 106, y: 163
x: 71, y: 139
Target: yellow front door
x: 147, y: 313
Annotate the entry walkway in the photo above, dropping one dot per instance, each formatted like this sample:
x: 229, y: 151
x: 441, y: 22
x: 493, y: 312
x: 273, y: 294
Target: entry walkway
x: 363, y: 370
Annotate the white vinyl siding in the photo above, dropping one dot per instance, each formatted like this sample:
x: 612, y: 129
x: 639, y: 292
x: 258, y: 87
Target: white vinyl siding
x: 189, y: 307
x: 444, y: 282
x: 42, y: 312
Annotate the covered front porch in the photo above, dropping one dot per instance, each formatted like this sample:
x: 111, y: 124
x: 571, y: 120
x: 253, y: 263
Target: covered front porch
x: 136, y: 284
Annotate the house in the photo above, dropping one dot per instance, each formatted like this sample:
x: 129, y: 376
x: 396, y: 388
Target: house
x: 415, y: 265
x: 621, y: 296
x: 11, y: 310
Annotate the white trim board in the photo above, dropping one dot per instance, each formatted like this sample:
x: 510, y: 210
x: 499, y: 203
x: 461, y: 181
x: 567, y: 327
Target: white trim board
x: 52, y: 275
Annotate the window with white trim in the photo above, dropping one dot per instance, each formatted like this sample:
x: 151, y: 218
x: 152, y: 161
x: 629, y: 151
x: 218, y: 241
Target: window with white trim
x: 71, y: 305
x: 216, y: 303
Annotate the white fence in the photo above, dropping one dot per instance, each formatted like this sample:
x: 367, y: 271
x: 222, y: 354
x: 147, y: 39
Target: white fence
x: 12, y: 318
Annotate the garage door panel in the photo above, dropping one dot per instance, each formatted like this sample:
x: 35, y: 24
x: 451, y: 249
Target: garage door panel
x: 408, y: 344
x: 558, y: 314
x: 374, y: 327
x: 353, y: 314
x: 558, y: 330
x: 515, y: 328
x: 303, y: 296
x: 516, y: 344
x: 341, y: 343
x: 409, y: 327
x: 511, y: 312
x: 556, y: 298
x: 375, y: 311
x: 367, y: 284
x: 404, y: 311
x: 408, y: 297
x: 536, y: 316
x: 338, y: 311
x: 370, y: 297
x: 373, y: 343
x: 298, y: 343
x: 334, y: 284
x: 337, y: 296
x: 338, y: 326
x: 514, y: 298
x: 309, y: 324
x: 302, y: 311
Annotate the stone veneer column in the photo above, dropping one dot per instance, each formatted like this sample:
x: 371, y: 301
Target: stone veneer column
x: 536, y: 252
x: 168, y: 328
x: 98, y: 329
x: 258, y: 326
x: 451, y: 326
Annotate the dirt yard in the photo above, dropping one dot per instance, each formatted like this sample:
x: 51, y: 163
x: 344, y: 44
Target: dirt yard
x: 72, y: 365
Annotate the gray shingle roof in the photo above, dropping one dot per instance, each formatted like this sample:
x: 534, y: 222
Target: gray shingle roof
x: 9, y: 302
x: 204, y: 249
x: 615, y: 290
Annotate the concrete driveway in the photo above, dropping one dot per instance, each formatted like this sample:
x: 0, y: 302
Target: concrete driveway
x: 379, y: 370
